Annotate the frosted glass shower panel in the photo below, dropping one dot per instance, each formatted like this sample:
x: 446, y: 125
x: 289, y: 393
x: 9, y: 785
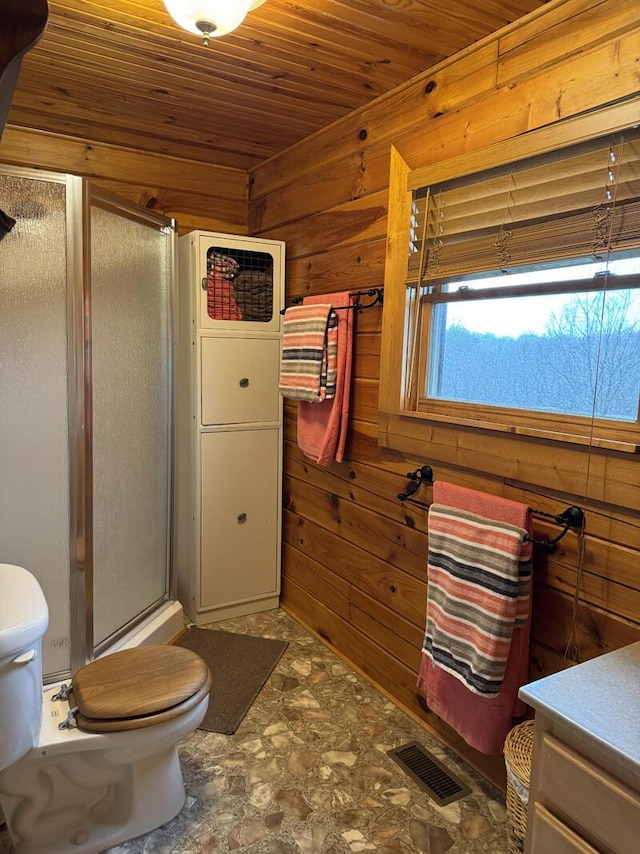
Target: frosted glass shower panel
x: 34, y: 452
x: 130, y: 286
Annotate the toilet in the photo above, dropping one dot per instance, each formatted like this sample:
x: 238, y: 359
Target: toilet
x: 87, y: 765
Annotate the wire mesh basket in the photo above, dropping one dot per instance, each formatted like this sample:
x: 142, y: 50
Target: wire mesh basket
x: 518, y: 747
x: 239, y: 284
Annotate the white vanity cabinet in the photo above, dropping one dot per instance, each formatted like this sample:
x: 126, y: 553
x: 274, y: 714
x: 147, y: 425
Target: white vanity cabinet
x: 584, y: 796
x: 228, y: 425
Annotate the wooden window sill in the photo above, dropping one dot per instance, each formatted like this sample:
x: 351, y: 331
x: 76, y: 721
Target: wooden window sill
x: 622, y: 446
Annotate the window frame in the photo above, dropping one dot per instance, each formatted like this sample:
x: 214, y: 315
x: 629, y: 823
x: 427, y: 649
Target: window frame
x: 513, y: 419
x: 405, y: 320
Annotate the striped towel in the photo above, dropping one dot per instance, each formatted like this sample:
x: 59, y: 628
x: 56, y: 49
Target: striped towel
x: 309, y: 353
x: 478, y: 592
x: 328, y: 377
x: 322, y: 428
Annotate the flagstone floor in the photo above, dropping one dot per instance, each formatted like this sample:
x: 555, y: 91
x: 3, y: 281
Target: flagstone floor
x: 307, y: 772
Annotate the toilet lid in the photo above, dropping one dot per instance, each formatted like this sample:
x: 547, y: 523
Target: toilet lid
x: 138, y: 687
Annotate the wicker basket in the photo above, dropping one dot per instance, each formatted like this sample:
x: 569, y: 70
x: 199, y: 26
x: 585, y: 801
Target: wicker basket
x: 517, y: 756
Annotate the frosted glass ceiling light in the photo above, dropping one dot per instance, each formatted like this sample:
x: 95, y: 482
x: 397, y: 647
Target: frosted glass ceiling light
x: 210, y: 18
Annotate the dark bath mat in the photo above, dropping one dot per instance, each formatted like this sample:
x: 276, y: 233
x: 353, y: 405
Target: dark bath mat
x: 239, y: 665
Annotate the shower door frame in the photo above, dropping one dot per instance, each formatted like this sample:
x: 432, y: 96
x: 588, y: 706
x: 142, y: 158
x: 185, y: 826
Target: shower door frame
x: 80, y: 196
x: 83, y: 195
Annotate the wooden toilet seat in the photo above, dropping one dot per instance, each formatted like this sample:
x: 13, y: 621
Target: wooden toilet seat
x: 137, y: 688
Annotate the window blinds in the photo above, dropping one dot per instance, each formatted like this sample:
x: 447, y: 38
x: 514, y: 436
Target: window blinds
x: 578, y: 202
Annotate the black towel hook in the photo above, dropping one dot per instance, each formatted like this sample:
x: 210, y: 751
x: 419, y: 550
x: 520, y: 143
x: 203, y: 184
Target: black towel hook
x: 571, y: 518
x: 372, y: 292
x: 416, y: 478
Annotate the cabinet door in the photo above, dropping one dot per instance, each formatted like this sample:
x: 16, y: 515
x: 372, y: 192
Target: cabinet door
x: 240, y: 516
x: 241, y: 283
x: 239, y: 380
x: 551, y: 836
x: 587, y: 798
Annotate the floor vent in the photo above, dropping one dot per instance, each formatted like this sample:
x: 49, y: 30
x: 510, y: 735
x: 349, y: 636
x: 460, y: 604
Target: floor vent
x: 429, y: 774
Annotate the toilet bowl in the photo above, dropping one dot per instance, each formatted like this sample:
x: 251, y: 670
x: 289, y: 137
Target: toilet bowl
x: 87, y: 765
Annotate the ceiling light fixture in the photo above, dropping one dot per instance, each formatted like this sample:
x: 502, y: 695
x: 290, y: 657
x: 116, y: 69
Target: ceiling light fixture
x: 210, y: 18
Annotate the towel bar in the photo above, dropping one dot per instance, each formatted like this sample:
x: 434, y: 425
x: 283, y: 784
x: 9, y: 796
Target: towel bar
x: 572, y: 518
x: 356, y: 306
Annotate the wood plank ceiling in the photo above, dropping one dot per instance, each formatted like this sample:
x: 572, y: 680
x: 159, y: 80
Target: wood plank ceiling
x: 121, y: 71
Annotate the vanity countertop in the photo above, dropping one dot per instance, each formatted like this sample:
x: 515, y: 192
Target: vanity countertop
x: 599, y: 701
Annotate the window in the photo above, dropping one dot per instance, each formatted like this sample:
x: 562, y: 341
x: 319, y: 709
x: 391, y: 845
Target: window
x: 522, y: 293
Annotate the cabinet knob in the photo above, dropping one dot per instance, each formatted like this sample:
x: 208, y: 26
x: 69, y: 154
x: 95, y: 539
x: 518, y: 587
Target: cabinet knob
x: 204, y: 284
x: 242, y: 518
x: 244, y: 382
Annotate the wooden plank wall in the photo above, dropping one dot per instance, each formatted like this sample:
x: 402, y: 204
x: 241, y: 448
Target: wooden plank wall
x: 199, y: 195
x: 353, y: 556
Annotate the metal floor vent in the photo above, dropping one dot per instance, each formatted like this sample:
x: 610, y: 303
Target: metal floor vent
x: 429, y: 774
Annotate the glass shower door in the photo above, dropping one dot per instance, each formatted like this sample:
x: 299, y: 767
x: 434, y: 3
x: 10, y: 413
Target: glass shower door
x: 85, y: 407
x: 131, y: 273
x: 34, y: 445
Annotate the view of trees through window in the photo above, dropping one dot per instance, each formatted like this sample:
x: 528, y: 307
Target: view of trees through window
x: 576, y: 353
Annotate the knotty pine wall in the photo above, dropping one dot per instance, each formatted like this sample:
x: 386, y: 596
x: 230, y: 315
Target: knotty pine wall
x: 198, y: 195
x: 353, y: 556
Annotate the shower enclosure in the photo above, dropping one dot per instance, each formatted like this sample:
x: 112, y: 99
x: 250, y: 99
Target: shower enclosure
x: 85, y: 408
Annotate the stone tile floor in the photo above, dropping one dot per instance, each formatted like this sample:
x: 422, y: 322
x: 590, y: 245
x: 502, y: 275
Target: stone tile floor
x: 307, y: 772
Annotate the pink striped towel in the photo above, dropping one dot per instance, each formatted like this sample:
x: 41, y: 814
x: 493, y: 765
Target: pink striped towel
x: 484, y: 721
x: 309, y: 344
x: 472, y: 597
x: 322, y: 427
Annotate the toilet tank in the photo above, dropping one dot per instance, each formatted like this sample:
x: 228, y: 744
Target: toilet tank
x: 24, y: 617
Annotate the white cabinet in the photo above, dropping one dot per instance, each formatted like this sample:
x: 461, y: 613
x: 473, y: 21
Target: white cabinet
x: 240, y: 531
x: 586, y: 801
x: 574, y: 794
x: 228, y: 425
x: 584, y: 794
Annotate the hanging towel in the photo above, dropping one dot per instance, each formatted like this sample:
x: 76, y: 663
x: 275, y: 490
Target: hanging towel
x: 322, y: 427
x: 502, y: 510
x: 308, y: 366
x: 472, y: 597
x: 329, y: 373
x: 484, y: 721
